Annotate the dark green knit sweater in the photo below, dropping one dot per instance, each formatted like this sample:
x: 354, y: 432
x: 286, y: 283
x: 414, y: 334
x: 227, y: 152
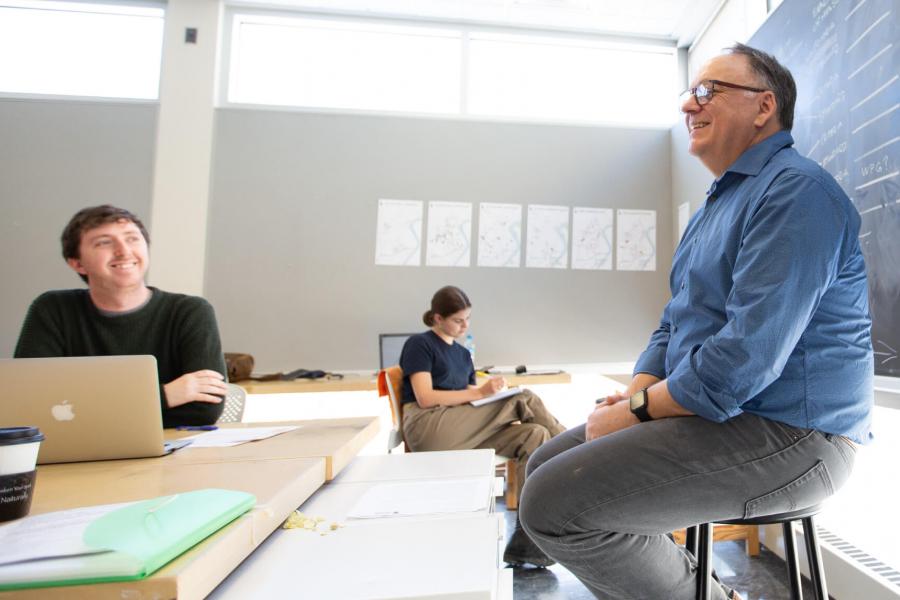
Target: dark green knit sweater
x: 180, y: 331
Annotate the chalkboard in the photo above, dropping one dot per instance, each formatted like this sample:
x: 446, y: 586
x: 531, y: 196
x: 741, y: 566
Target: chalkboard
x: 844, y: 55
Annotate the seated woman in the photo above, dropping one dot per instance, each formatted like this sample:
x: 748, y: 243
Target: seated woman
x: 438, y: 386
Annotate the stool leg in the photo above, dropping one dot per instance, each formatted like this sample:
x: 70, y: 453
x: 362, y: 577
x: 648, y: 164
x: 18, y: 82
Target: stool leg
x: 704, y: 558
x: 792, y: 561
x: 814, y: 554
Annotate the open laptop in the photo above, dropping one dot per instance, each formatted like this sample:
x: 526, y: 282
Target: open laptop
x: 389, y: 347
x: 87, y: 407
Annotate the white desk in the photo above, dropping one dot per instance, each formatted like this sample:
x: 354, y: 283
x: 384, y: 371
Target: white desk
x: 426, y: 556
x: 333, y: 502
x: 418, y: 465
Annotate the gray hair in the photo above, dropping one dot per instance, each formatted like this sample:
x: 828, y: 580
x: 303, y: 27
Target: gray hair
x: 774, y: 76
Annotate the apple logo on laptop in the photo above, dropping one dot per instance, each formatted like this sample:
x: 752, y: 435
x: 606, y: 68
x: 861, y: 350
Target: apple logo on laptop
x: 62, y: 412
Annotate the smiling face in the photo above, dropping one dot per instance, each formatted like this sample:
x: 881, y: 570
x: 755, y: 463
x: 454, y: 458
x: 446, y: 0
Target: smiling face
x: 113, y: 256
x: 733, y: 120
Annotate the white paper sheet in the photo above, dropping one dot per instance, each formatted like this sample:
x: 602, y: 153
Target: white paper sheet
x: 548, y: 237
x: 51, y: 534
x: 592, y: 238
x: 398, y: 239
x: 635, y: 240
x: 430, y: 497
x: 498, y: 396
x: 499, y: 235
x: 449, y: 234
x: 234, y: 436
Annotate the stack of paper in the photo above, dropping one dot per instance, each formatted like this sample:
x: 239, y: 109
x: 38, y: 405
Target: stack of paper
x: 113, y: 542
x: 232, y: 436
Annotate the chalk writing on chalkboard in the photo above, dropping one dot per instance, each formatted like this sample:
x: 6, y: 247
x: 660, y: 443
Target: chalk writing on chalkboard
x: 845, y: 57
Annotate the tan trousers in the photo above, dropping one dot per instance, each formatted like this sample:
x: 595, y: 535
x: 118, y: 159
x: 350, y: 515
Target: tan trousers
x: 513, y: 427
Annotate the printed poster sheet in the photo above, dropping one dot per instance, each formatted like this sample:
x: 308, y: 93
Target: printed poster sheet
x: 449, y: 234
x: 398, y: 240
x: 499, y: 235
x: 548, y: 237
x: 592, y: 238
x: 636, y: 240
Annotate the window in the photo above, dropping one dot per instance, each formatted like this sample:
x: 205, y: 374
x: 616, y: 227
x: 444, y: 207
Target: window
x: 545, y: 78
x: 337, y: 63
x: 80, y: 49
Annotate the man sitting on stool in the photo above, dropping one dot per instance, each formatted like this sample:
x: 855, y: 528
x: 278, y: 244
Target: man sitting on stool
x: 749, y: 397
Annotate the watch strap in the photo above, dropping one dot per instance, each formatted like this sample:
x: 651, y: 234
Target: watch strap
x: 641, y: 411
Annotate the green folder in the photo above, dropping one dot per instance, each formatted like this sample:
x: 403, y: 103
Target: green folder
x: 134, y: 541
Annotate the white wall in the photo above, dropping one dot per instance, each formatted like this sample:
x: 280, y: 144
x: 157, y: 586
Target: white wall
x: 56, y: 157
x: 735, y: 21
x: 291, y: 267
x: 184, y: 136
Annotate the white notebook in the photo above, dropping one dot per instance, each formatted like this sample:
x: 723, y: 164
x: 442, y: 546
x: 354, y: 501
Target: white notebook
x: 498, y: 396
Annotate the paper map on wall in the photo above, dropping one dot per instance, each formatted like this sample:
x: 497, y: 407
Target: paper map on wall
x: 398, y: 240
x: 636, y: 240
x: 449, y: 234
x: 499, y: 235
x: 592, y: 238
x: 548, y: 237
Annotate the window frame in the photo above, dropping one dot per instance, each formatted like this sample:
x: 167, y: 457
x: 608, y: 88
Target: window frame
x: 59, y: 5
x: 229, y: 51
x: 467, y: 29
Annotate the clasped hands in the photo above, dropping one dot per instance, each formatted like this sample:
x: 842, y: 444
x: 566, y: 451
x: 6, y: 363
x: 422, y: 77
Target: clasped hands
x: 609, y: 416
x: 612, y: 414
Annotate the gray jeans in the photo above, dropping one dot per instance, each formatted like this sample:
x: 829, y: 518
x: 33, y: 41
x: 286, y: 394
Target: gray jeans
x: 603, y: 508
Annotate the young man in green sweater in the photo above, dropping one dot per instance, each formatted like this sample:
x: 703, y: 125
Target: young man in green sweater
x: 119, y: 314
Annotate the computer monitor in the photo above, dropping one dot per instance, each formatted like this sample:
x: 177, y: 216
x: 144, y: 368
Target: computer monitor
x: 389, y: 347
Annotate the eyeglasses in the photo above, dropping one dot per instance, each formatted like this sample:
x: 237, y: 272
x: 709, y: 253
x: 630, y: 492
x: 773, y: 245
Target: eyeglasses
x: 705, y: 90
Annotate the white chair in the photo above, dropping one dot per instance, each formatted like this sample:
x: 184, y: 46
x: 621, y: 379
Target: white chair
x: 390, y: 381
x: 234, y: 404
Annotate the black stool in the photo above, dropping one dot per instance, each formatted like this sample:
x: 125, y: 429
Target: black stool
x: 699, y: 541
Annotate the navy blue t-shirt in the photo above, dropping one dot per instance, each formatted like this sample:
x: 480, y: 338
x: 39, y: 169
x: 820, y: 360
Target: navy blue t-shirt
x: 450, y: 365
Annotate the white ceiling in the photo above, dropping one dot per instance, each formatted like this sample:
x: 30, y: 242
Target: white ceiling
x: 676, y: 21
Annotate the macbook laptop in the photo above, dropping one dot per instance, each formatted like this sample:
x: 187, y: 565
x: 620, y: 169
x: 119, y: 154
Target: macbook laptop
x: 87, y: 407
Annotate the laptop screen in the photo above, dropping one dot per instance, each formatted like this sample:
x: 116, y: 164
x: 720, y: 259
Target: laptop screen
x: 389, y: 347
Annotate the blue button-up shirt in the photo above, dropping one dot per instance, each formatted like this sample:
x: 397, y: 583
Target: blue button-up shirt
x: 769, y: 312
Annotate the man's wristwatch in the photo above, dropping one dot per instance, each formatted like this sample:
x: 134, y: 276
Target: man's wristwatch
x: 640, y: 402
